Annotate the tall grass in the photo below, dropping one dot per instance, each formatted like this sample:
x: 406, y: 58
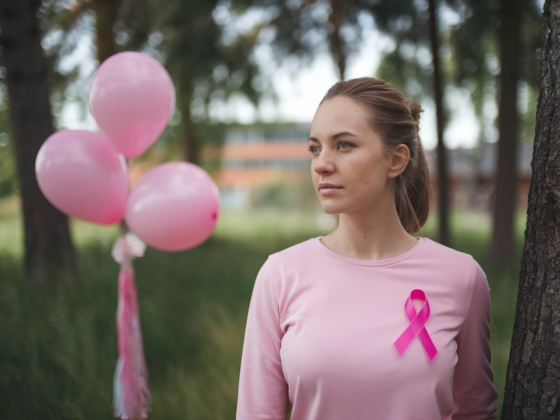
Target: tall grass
x: 58, y: 347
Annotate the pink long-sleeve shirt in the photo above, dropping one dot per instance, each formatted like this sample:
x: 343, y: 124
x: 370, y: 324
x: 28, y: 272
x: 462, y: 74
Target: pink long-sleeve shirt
x: 321, y: 328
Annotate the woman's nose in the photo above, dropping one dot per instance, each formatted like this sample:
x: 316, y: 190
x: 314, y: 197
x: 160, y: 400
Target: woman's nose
x: 324, y: 163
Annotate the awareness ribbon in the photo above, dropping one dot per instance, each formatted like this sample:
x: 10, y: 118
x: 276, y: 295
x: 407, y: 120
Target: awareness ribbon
x: 416, y: 326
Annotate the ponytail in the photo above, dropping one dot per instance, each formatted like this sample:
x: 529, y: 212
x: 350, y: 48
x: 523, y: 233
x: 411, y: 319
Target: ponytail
x: 412, y: 196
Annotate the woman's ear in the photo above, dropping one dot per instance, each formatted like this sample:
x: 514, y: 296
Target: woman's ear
x: 400, y: 159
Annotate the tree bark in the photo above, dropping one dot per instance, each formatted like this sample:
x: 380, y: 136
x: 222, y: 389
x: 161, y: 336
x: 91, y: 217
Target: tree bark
x: 533, y: 374
x: 505, y: 190
x: 336, y: 43
x: 106, y: 12
x: 443, y: 179
x: 190, y: 145
x: 47, y: 236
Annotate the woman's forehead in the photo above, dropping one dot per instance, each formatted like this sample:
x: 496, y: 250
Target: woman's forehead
x: 340, y: 114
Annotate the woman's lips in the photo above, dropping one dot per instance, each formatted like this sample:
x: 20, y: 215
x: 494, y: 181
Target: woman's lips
x: 328, y: 189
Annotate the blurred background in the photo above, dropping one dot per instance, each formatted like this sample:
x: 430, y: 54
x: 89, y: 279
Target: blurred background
x: 249, y: 75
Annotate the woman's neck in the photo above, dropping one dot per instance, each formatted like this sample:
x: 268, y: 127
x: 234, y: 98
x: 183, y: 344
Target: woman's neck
x: 375, y: 234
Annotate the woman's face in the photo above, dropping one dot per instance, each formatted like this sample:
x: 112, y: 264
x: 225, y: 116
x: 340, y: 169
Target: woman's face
x: 351, y: 171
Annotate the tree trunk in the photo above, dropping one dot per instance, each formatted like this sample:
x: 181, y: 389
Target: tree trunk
x: 106, y: 12
x: 505, y: 190
x: 443, y: 180
x: 533, y: 374
x: 336, y: 46
x: 47, y: 237
x: 191, y: 147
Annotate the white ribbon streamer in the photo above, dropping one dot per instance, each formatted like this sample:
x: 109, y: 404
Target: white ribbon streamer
x: 127, y: 247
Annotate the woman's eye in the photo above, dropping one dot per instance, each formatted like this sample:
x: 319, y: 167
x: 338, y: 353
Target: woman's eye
x: 313, y: 149
x: 344, y: 145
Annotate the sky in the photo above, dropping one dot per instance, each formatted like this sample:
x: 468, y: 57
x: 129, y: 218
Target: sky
x: 299, y: 89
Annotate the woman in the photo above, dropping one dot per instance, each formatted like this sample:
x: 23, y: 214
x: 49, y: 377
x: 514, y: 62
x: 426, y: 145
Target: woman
x: 339, y: 326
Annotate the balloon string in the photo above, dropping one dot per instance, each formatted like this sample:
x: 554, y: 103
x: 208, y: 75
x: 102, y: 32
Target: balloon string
x: 131, y: 399
x: 124, y: 230
x: 129, y: 169
x: 123, y: 226
x: 131, y: 394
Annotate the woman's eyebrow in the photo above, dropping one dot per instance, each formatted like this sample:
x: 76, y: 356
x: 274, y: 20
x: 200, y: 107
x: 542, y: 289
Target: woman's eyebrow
x: 336, y: 136
x: 343, y: 133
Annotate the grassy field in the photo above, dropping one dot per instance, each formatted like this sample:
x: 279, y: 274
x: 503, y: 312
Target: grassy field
x: 58, y: 348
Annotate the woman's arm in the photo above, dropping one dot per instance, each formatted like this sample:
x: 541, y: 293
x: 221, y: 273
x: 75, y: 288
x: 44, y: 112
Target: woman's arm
x: 263, y: 391
x: 474, y: 395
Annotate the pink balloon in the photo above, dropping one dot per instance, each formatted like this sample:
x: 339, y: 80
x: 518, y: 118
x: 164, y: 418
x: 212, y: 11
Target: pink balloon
x: 131, y: 98
x: 174, y: 206
x: 82, y: 175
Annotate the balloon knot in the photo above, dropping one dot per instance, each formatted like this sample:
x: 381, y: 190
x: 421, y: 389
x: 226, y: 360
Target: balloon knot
x: 128, y: 247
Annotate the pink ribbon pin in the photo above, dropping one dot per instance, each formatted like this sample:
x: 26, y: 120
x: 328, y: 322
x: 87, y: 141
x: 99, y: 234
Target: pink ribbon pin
x: 416, y: 326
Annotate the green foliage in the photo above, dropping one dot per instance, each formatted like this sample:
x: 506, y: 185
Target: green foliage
x: 298, y: 195
x: 474, y: 42
x: 8, y: 169
x: 304, y: 29
x: 469, y: 53
x: 208, y: 59
x: 274, y: 195
x: 66, y: 29
x: 52, y: 353
x: 8, y: 176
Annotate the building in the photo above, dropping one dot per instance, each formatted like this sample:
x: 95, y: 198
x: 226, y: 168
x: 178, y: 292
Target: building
x: 471, y: 175
x: 254, y: 156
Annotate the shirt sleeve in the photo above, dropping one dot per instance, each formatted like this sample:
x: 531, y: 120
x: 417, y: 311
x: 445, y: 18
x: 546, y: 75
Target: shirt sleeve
x: 474, y: 395
x: 263, y: 391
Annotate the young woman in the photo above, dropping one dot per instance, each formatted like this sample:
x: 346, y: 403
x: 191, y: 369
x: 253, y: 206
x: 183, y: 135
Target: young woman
x: 368, y: 322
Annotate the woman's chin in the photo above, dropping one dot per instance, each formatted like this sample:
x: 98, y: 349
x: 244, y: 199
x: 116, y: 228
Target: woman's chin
x: 330, y: 208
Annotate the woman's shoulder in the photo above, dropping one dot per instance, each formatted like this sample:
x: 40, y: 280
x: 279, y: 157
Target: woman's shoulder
x: 294, y: 259
x: 295, y: 253
x: 449, y: 256
x: 457, y: 262
x: 287, y: 264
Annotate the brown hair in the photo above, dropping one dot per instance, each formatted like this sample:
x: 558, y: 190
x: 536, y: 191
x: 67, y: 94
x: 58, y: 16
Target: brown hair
x: 396, y: 119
